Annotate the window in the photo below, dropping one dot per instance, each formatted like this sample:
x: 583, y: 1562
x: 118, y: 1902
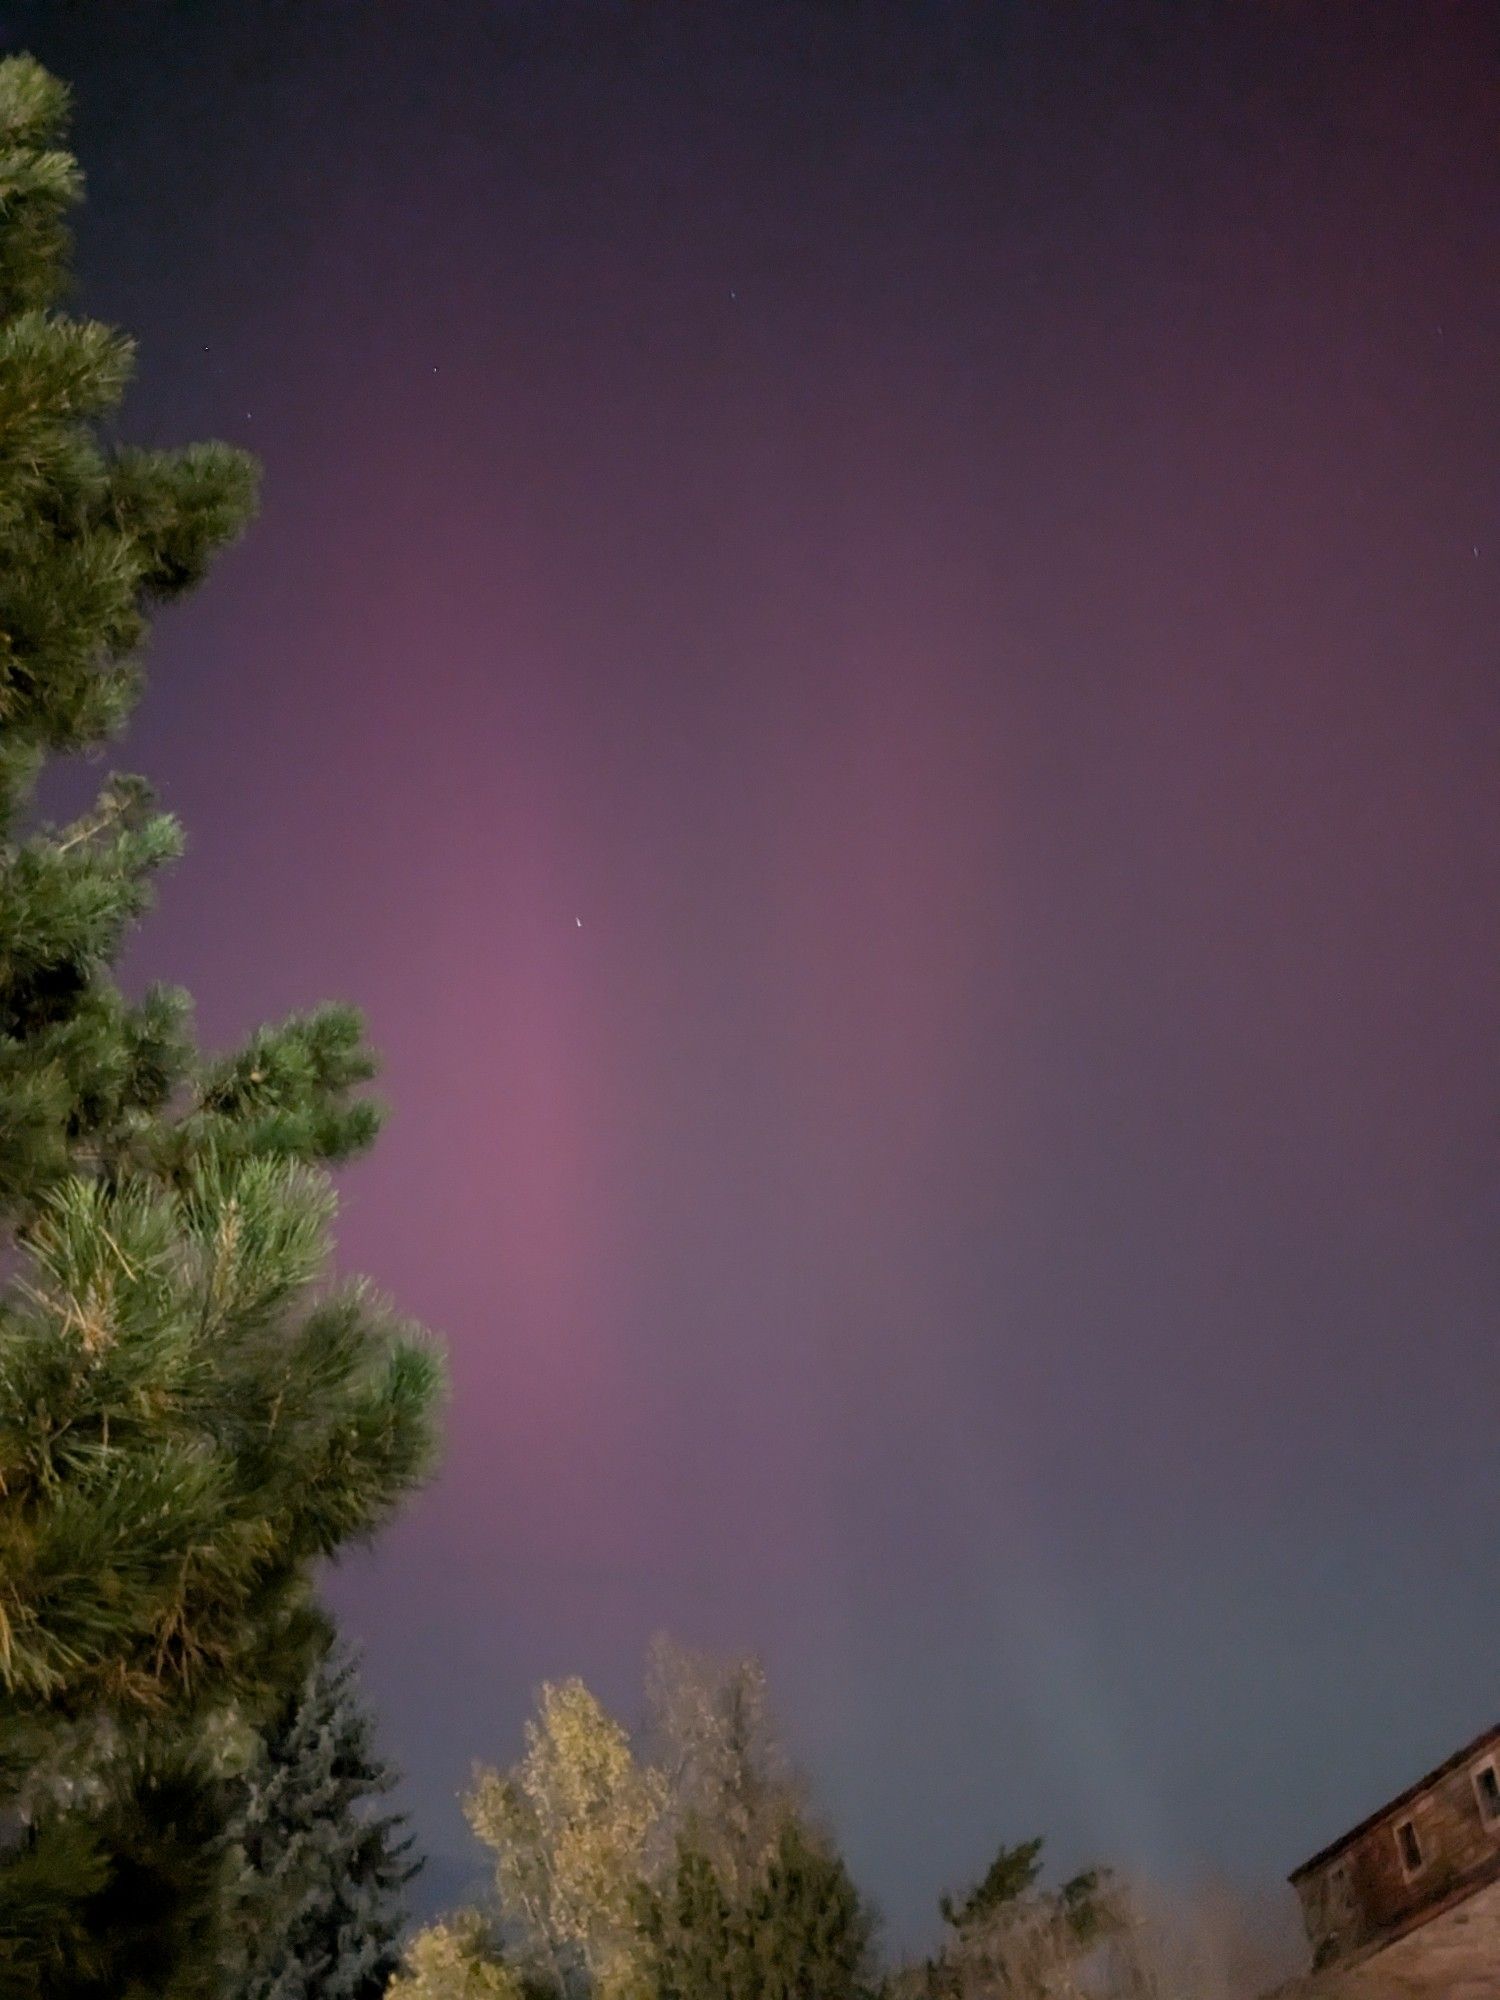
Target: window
x: 1487, y: 1791
x: 1340, y: 1902
x: 1409, y: 1848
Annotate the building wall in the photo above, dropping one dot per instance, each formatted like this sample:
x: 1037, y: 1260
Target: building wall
x: 1363, y: 1890
x: 1454, y: 1956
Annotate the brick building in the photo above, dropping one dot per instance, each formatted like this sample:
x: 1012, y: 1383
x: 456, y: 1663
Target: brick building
x: 1417, y: 1862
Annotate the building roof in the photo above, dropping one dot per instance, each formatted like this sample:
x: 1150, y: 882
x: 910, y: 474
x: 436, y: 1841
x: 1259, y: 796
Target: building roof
x: 1487, y: 1740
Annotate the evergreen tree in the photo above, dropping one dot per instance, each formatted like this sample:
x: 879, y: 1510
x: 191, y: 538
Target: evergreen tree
x: 190, y: 1419
x: 1013, y: 1871
x: 695, y: 1941
x: 320, y: 1870
x: 1011, y: 1936
x: 806, y: 1932
x: 801, y: 1932
x: 123, y: 1900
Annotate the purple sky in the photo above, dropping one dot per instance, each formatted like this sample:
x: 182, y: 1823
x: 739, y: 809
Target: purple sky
x: 874, y: 648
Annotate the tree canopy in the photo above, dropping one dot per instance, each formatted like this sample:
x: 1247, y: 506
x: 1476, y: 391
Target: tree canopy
x: 689, y: 1870
x: 191, y: 1415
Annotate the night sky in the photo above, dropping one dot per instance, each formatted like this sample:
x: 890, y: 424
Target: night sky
x: 875, y: 648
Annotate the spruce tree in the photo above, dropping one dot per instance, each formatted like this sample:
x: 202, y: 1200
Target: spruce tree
x: 191, y: 1416
x: 319, y: 1869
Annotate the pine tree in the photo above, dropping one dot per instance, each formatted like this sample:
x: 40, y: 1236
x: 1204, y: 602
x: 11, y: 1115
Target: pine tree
x: 190, y: 1417
x: 320, y: 1869
x: 122, y: 1900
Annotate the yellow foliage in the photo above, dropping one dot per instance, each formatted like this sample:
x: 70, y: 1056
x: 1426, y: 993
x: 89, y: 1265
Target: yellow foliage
x: 570, y: 1826
x: 450, y: 1961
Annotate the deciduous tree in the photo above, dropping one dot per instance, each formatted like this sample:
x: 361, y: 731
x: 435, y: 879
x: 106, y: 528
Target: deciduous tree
x: 571, y: 1827
x: 730, y: 1785
x: 459, y: 1959
x: 693, y: 1876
